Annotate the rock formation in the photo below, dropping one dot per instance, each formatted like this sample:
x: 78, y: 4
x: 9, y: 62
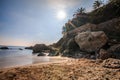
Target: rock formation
x: 40, y: 48
x: 91, y: 41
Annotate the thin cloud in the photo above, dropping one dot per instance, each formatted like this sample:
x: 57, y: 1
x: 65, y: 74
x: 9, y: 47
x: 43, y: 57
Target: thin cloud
x: 62, y: 4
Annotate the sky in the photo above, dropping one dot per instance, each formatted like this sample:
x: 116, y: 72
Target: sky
x: 29, y: 22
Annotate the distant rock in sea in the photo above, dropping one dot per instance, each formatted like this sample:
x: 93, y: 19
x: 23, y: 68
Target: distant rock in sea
x: 20, y: 49
x: 4, y: 47
x: 29, y: 47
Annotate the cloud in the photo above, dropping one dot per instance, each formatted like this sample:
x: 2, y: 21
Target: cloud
x: 63, y: 4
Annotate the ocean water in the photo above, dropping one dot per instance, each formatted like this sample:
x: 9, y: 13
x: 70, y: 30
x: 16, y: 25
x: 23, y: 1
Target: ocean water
x: 14, y: 51
x: 15, y: 57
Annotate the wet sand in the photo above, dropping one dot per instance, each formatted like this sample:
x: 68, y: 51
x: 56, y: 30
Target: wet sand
x: 27, y: 60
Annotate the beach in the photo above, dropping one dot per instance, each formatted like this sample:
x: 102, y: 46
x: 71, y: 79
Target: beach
x: 70, y: 69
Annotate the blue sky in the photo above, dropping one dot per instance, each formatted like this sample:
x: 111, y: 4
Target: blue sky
x: 27, y: 22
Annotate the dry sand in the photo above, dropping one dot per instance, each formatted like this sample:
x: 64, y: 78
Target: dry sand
x: 70, y: 69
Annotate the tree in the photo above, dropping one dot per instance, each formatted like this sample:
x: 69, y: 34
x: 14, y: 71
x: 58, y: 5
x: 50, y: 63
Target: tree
x: 79, y: 11
x: 97, y: 4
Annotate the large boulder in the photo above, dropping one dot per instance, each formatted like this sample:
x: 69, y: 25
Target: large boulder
x: 91, y: 41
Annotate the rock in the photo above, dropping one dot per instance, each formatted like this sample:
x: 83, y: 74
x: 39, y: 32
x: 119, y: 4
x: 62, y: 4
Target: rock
x: 40, y: 48
x: 72, y: 45
x: 111, y: 28
x: 20, y: 49
x: 115, y: 49
x: 66, y: 53
x: 91, y: 41
x: 29, y: 47
x: 69, y: 47
x: 4, y: 47
x: 103, y: 54
x: 83, y: 28
x: 41, y: 54
x: 111, y: 63
x: 54, y: 53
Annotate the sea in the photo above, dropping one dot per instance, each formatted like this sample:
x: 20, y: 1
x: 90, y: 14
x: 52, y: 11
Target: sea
x: 14, y: 56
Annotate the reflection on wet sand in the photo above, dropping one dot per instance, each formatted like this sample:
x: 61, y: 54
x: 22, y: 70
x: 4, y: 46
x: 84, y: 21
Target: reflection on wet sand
x: 25, y: 60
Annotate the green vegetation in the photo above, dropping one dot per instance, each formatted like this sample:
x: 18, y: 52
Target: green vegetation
x: 97, y: 4
x: 98, y: 15
x: 105, y: 13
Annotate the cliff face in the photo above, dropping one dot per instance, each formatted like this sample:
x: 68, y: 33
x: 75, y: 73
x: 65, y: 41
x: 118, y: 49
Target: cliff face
x: 69, y: 47
x: 111, y: 28
x: 105, y: 19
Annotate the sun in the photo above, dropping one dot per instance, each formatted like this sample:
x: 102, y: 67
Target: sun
x: 61, y: 14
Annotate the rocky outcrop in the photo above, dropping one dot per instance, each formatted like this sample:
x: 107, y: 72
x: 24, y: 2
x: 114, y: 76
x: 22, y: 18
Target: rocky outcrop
x: 4, y: 47
x: 69, y: 47
x: 40, y: 48
x: 83, y: 28
x: 90, y: 38
x: 111, y: 28
x: 91, y: 41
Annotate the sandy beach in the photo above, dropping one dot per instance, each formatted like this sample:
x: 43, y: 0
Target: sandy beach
x: 70, y: 69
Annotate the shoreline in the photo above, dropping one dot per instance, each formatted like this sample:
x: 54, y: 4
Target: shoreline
x: 57, y: 59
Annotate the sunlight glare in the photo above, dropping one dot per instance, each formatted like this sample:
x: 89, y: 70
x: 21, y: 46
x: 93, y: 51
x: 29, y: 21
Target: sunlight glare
x: 61, y: 14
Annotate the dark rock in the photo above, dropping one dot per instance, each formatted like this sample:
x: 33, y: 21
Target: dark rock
x: 111, y: 63
x: 41, y: 54
x: 111, y: 28
x: 4, y: 47
x: 115, y: 49
x: 103, y: 54
x: 55, y: 53
x: 29, y: 47
x: 40, y: 48
x: 68, y: 47
x: 20, y: 49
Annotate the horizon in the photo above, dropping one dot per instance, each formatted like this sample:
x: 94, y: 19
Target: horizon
x: 30, y: 22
